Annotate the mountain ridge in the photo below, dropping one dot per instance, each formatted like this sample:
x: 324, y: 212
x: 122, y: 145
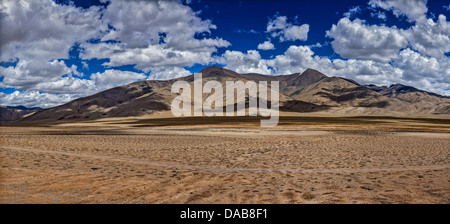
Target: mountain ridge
x: 11, y: 113
x: 309, y: 91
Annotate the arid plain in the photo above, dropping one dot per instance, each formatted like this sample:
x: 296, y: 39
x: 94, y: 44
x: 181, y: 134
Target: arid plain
x: 313, y: 159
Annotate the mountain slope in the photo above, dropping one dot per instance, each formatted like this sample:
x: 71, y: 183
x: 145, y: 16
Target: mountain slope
x: 13, y: 113
x: 309, y: 91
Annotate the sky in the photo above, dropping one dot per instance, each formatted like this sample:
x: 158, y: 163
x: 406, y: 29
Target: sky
x: 55, y: 51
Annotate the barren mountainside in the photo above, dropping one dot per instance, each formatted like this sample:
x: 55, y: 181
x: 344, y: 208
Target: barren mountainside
x: 13, y: 113
x: 310, y: 91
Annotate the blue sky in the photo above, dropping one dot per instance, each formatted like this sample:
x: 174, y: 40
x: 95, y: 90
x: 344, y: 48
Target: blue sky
x: 56, y: 51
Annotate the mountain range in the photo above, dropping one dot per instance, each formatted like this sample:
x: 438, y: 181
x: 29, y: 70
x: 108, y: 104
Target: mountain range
x: 310, y: 91
x: 10, y: 113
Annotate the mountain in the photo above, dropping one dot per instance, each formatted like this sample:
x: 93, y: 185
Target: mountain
x: 10, y: 113
x: 116, y: 102
x: 310, y: 91
x: 406, y: 93
x: 415, y: 98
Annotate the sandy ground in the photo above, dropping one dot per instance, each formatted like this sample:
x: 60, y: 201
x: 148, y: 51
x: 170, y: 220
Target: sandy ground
x: 302, y: 163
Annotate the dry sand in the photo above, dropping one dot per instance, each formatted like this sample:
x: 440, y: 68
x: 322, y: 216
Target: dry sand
x: 387, y: 161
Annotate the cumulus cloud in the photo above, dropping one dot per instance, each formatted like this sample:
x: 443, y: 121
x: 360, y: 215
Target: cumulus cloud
x: 249, y: 62
x: 51, y: 79
x: 354, y: 39
x: 162, y: 39
x: 66, y: 85
x: 413, y: 9
x: 417, y: 67
x: 297, y: 59
x: 416, y: 55
x: 279, y: 27
x: 410, y: 68
x: 429, y: 37
x: 66, y: 89
x: 162, y: 34
x: 34, y: 99
x: 44, y: 30
x: 26, y: 74
x: 146, y: 58
x: 111, y: 78
x: 353, y: 11
x: 267, y: 45
x: 165, y: 73
x: 167, y: 36
x: 38, y: 34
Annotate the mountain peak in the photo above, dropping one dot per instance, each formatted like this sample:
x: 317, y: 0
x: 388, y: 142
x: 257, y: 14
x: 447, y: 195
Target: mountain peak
x: 308, y: 77
x: 218, y: 71
x: 310, y: 69
x: 310, y: 89
x: 396, y: 85
x: 400, y: 88
x: 313, y: 73
x: 210, y: 69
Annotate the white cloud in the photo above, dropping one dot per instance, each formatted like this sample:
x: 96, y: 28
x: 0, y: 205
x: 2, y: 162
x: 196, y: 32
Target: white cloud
x: 429, y: 37
x: 447, y: 7
x: 85, y: 65
x: 278, y: 23
x: 353, y: 11
x: 145, y: 58
x: 51, y: 79
x: 318, y: 45
x: 111, y: 78
x: 266, y: 46
x: 413, y: 9
x: 293, y: 33
x: 162, y: 39
x: 66, y: 85
x: 38, y: 34
x: 297, y: 59
x: 166, y: 36
x: 44, y: 30
x: 28, y: 73
x: 34, y: 99
x: 367, y: 72
x: 161, y: 34
x: 354, y: 39
x: 410, y: 68
x: 279, y: 27
x: 252, y: 31
x: 165, y: 73
x: 250, y: 62
x: 417, y: 67
x: 379, y: 15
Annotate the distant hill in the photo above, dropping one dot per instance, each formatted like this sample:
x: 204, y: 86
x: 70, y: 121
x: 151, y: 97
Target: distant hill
x: 10, y: 113
x: 310, y: 91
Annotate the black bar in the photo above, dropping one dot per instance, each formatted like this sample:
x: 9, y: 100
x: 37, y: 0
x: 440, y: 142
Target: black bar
x: 235, y: 213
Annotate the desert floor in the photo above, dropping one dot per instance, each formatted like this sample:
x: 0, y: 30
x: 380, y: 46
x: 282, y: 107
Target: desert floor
x: 302, y: 160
